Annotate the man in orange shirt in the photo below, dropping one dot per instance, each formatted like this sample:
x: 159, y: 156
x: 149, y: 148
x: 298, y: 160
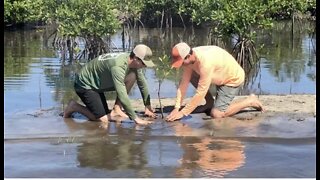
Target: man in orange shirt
x: 203, y: 66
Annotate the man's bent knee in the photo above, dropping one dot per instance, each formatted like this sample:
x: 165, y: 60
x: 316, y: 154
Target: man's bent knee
x: 216, y: 113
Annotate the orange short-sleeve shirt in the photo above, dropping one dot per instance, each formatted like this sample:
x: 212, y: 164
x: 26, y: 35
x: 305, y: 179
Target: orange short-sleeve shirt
x: 214, y: 66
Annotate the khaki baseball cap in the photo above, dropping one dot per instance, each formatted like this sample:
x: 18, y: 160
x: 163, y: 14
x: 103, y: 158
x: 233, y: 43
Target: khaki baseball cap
x: 141, y: 51
x: 178, y: 53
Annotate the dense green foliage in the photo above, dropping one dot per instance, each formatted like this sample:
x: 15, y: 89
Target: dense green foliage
x: 285, y: 9
x: 7, y: 10
x: 94, y: 19
x: 86, y: 17
x: 235, y: 17
x: 23, y: 11
x: 91, y: 20
x: 130, y: 10
x: 163, y: 13
x: 100, y: 17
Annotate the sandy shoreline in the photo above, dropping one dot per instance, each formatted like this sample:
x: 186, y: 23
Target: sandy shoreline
x: 273, y: 103
x: 286, y: 116
x: 40, y: 143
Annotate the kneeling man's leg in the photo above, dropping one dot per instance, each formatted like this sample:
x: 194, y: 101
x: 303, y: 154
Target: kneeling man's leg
x: 225, y: 95
x: 96, y: 106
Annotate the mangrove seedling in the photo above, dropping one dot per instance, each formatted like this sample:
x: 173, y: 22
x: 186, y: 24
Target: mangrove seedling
x: 162, y: 71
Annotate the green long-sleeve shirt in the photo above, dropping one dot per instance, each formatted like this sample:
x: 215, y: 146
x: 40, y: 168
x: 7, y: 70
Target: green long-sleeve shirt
x: 107, y: 73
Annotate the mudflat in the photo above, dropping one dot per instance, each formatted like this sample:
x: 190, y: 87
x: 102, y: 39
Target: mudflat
x: 274, y: 104
x: 40, y: 143
x: 282, y: 112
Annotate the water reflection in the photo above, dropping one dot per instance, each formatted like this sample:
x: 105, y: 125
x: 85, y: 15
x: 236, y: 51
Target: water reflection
x: 208, y: 156
x: 188, y: 153
x: 112, y: 155
x: 110, y: 149
x: 288, y: 55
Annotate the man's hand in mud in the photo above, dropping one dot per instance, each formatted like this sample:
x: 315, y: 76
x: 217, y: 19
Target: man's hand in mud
x: 174, y: 115
x: 150, y: 112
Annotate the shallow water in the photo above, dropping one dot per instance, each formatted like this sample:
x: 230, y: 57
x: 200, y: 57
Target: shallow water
x: 154, y: 157
x: 40, y: 143
x: 32, y: 66
x: 193, y: 147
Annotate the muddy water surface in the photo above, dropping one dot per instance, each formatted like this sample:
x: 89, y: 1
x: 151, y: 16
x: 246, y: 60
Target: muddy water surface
x: 194, y: 147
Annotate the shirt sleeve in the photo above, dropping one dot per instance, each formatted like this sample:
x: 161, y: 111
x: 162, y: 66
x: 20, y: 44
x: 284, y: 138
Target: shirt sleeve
x: 202, y: 89
x: 181, y: 92
x: 142, y: 84
x: 118, y: 76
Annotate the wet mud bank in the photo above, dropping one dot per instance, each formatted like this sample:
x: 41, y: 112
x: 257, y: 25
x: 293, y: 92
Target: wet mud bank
x: 43, y: 144
x: 288, y: 116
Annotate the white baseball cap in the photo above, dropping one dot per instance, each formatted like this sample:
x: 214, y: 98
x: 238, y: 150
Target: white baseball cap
x: 141, y: 51
x: 178, y: 53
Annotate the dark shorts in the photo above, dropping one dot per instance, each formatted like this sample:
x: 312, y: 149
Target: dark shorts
x: 94, y: 101
x: 225, y: 94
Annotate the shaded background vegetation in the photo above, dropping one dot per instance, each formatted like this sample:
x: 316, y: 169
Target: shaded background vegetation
x: 82, y: 28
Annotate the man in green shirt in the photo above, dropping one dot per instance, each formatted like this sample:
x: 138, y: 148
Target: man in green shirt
x: 112, y: 72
